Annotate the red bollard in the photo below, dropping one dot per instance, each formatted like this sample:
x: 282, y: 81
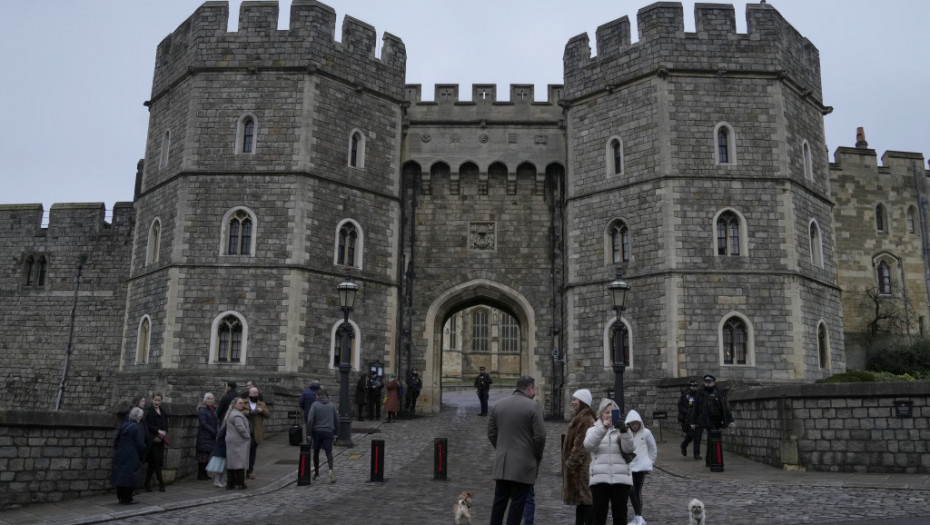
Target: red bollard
x: 440, y: 459
x: 305, y: 467
x: 715, y: 450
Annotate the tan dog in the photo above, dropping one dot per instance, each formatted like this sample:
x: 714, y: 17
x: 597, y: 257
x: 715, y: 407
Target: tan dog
x: 462, y: 509
x: 696, y: 512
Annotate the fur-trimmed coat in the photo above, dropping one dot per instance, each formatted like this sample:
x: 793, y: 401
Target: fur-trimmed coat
x: 576, y: 460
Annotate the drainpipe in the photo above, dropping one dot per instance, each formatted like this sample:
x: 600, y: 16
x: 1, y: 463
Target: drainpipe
x: 64, y: 371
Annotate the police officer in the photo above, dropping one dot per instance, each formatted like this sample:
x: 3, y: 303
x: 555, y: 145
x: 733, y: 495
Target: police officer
x: 685, y: 402
x: 710, y: 412
x: 414, y: 385
x: 483, y: 385
x: 374, y: 396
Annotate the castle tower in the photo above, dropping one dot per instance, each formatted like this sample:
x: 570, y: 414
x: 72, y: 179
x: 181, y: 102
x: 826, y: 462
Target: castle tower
x: 272, y: 166
x: 696, y: 161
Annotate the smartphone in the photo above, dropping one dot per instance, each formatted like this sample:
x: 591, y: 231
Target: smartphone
x: 615, y: 416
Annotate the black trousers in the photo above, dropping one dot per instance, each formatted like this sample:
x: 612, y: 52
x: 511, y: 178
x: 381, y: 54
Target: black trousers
x: 483, y: 398
x: 613, y: 496
x: 515, y: 494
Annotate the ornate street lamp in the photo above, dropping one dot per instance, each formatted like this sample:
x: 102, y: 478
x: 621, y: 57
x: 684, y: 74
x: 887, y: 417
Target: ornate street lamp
x: 347, y: 291
x: 618, y: 289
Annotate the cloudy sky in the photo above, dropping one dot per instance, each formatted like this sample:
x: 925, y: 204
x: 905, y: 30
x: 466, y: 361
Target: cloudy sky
x: 76, y: 72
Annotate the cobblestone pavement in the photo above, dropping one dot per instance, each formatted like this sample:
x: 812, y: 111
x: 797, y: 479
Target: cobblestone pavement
x: 410, y: 496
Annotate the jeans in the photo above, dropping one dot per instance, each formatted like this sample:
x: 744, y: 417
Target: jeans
x: 322, y: 439
x: 512, y: 492
x: 529, y: 509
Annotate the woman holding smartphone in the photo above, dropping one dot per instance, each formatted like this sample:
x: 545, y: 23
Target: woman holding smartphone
x: 608, y: 441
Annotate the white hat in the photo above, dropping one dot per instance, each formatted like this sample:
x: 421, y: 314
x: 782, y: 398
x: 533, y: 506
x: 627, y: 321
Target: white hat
x: 583, y: 395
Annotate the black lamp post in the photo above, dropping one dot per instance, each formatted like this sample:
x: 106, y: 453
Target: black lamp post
x: 618, y: 289
x: 347, y: 291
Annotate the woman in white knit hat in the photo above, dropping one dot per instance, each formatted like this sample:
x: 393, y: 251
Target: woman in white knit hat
x: 576, y: 460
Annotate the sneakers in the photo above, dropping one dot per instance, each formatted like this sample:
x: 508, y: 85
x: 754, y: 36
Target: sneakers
x: 332, y: 476
x: 638, y: 520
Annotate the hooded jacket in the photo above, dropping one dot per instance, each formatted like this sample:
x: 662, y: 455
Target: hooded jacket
x: 645, y: 445
x: 322, y: 416
x: 604, y: 443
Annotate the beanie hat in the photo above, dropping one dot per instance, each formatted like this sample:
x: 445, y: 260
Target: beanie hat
x: 583, y: 395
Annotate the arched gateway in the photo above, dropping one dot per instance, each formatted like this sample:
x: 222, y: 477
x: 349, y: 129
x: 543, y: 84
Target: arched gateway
x: 478, y: 291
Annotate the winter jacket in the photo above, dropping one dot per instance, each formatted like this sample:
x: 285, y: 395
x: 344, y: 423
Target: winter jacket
x: 576, y: 460
x: 517, y: 433
x: 257, y: 419
x: 706, y: 403
x: 308, y: 397
x: 238, y: 440
x: 685, y: 402
x: 644, y: 443
x: 604, y: 444
x: 392, y: 404
x: 129, y: 447
x: 206, y: 429
x: 323, y: 416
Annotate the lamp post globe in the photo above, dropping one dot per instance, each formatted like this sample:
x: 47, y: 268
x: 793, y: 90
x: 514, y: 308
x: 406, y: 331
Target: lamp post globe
x: 618, y: 290
x: 347, y: 292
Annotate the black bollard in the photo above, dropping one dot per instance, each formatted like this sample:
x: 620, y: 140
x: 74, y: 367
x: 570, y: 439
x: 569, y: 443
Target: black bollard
x: 715, y: 450
x: 377, y: 460
x: 440, y: 459
x: 305, y: 467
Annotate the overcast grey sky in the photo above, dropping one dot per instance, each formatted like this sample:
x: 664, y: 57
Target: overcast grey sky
x: 76, y: 72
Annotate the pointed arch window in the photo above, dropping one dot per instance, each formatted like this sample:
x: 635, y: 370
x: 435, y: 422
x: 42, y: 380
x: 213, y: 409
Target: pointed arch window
x: 248, y: 135
x: 34, y: 270
x: 154, y: 242
x: 619, y: 235
x: 823, y: 345
x: 807, y: 159
x: 884, y: 278
x: 510, y: 334
x: 816, y: 245
x: 229, y: 337
x: 348, y: 237
x: 911, y: 220
x: 735, y: 338
x: 163, y: 152
x: 614, y: 156
x: 724, y: 144
x: 479, y: 331
x: 142, y: 341
x: 357, y: 145
x: 881, y: 219
x: 240, y: 233
x: 728, y: 234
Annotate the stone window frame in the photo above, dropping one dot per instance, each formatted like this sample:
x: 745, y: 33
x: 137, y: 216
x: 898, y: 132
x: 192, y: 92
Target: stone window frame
x: 509, y: 333
x: 911, y: 218
x: 884, y: 276
x: 823, y: 345
x: 743, y: 230
x: 807, y: 160
x: 35, y: 270
x: 607, y: 343
x: 153, y: 246
x: 144, y: 343
x: 475, y: 328
x: 730, y: 146
x: 626, y: 255
x: 224, y: 233
x: 215, y: 340
x: 359, y: 148
x: 355, y: 346
x: 241, y: 134
x: 882, y: 218
x: 816, y: 243
x: 614, y: 145
x: 750, y: 340
x: 359, y: 244
x: 164, y: 150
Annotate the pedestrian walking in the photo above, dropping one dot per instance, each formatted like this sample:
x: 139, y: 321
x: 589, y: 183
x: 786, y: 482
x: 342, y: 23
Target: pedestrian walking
x: 646, y: 454
x: 483, y: 387
x: 685, y: 402
x: 307, y: 398
x: 611, y: 446
x: 518, y: 436
x: 207, y: 423
x: 257, y: 413
x: 322, y: 424
x: 129, y: 450
x: 576, y: 460
x: 710, y: 412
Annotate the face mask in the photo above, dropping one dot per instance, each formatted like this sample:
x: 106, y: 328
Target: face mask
x: 253, y: 399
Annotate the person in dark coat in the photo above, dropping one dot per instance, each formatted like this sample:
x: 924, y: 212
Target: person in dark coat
x: 156, y: 423
x: 483, y: 387
x: 392, y: 404
x: 307, y: 397
x: 226, y: 400
x: 517, y: 433
x: 361, y: 396
x: 374, y: 396
x: 129, y: 447
x: 576, y: 460
x: 414, y: 385
x: 710, y: 412
x: 685, y: 402
x: 206, y: 434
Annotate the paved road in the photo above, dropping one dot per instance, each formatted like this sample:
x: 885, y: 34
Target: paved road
x: 745, y: 493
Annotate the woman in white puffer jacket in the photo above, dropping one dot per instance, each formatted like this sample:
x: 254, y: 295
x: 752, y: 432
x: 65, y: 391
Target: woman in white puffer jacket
x: 611, y: 476
x: 646, y: 454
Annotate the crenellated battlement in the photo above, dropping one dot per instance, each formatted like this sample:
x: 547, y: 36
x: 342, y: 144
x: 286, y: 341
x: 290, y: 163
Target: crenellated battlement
x: 481, y: 94
x: 770, y: 45
x: 65, y: 219
x: 202, y: 42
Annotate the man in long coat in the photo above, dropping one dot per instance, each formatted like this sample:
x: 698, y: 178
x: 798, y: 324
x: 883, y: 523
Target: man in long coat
x: 516, y: 431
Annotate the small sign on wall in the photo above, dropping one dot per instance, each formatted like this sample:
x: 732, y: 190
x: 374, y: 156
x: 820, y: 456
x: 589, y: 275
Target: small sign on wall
x: 903, y: 408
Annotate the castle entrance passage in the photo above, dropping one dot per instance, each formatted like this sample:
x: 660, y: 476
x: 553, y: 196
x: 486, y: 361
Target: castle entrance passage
x: 478, y: 323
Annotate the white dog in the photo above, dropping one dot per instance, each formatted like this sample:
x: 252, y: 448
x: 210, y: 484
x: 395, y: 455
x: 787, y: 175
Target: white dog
x: 696, y: 512
x: 462, y: 509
